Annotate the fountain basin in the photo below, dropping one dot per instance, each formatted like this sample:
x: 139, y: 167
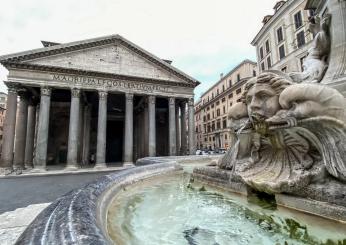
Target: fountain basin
x: 89, y: 215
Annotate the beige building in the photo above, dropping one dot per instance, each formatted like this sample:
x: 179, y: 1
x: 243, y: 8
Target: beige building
x: 284, y: 39
x: 211, y: 110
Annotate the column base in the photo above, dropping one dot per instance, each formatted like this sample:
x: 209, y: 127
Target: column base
x: 40, y: 169
x: 100, y: 166
x: 18, y: 170
x: 71, y: 167
x: 28, y: 167
x: 6, y: 171
x: 129, y: 165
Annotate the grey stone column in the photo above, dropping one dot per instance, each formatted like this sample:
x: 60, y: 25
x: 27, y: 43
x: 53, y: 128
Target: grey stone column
x: 30, y: 136
x: 171, y: 122
x: 6, y: 160
x: 192, y: 147
x: 73, y: 133
x: 152, y: 125
x: 40, y: 159
x: 128, y: 139
x: 101, y: 131
x: 21, y: 124
x: 177, y: 129
x: 183, y: 147
x: 86, y: 133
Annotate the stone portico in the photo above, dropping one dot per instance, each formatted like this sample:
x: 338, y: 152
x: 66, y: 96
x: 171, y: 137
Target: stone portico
x: 98, y: 101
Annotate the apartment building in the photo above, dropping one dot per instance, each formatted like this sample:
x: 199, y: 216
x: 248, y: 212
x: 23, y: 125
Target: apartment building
x: 212, y: 108
x: 284, y: 40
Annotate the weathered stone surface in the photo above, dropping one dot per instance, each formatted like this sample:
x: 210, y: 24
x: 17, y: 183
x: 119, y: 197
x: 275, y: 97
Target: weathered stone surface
x: 113, y: 58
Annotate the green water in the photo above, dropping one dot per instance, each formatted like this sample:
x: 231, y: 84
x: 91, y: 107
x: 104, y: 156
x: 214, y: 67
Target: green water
x: 172, y: 210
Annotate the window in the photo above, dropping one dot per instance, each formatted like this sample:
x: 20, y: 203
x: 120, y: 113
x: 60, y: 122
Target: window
x: 279, y: 34
x: 302, y: 59
x: 224, y: 109
x: 282, y: 51
x: 238, y: 91
x: 217, y: 91
x: 230, y: 83
x: 254, y: 73
x: 261, y: 52
x: 267, y: 47
x: 225, y: 136
x: 218, y: 125
x: 217, y: 103
x: 298, y: 22
x: 218, y: 112
x: 230, y: 95
x: 300, y: 39
x: 213, y: 114
x: 238, y: 100
x: 269, y: 62
x: 262, y: 66
x: 224, y: 124
x: 230, y: 104
x: 284, y: 69
x: 238, y: 77
x: 223, y: 88
x: 223, y: 99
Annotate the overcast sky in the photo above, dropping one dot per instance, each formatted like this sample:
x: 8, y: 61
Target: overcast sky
x: 203, y: 37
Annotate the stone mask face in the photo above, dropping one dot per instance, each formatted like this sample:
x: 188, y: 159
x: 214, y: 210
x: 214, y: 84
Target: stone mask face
x: 262, y: 102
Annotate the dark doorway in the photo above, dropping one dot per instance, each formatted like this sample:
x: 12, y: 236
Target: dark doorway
x: 114, y: 147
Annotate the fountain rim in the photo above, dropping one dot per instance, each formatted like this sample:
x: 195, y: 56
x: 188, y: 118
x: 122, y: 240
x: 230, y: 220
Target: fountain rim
x: 80, y: 216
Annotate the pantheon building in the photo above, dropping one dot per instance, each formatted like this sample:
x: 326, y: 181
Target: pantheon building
x: 101, y: 101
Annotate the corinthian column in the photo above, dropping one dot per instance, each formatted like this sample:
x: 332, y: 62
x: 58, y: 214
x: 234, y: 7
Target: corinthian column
x: 172, y: 134
x: 72, y: 148
x: 152, y: 126
x: 177, y: 131
x: 22, y: 117
x: 192, y: 147
x: 40, y: 159
x: 101, y: 131
x: 183, y: 127
x: 30, y: 135
x: 6, y: 160
x: 128, y: 141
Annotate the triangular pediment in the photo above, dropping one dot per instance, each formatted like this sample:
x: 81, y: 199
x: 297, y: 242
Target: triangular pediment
x: 113, y: 58
x: 110, y: 55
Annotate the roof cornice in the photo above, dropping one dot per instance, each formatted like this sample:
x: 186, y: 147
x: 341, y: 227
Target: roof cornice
x: 94, y: 42
x: 229, y: 73
x: 270, y: 22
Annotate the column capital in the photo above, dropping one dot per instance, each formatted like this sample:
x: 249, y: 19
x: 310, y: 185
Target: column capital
x: 23, y: 94
x: 75, y: 92
x: 103, y: 94
x: 12, y: 87
x: 151, y: 99
x: 47, y: 91
x: 129, y: 97
x: 191, y: 102
x: 171, y: 100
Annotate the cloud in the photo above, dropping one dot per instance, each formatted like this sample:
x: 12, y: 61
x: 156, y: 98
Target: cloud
x: 203, y: 38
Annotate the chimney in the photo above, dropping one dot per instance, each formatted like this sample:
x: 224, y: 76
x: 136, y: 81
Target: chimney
x: 221, y: 75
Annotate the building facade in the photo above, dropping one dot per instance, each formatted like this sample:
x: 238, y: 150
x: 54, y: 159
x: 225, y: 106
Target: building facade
x: 211, y: 110
x: 103, y: 100
x: 284, y: 40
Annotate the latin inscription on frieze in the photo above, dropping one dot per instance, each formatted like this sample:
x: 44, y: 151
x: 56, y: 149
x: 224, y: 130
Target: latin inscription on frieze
x: 109, y: 83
